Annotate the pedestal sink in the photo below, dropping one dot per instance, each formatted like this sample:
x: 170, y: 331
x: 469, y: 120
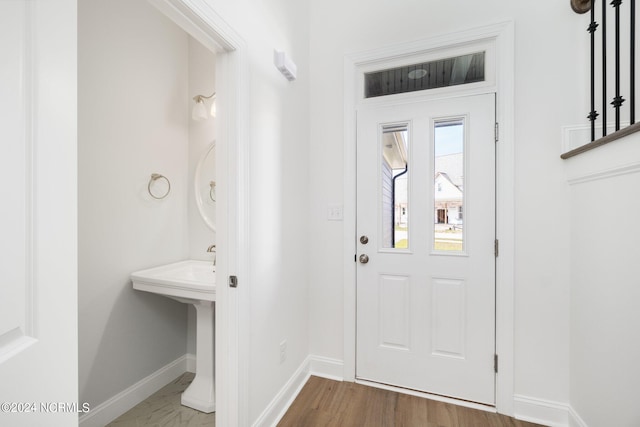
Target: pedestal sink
x: 190, y: 282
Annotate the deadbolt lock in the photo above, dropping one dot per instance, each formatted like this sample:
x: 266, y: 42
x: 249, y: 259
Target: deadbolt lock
x: 364, y: 240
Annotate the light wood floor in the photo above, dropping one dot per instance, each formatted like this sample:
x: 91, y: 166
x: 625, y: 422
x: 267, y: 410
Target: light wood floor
x: 326, y: 403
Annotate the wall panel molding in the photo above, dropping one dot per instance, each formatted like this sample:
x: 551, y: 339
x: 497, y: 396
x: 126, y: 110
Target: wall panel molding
x: 607, y: 161
x: 17, y: 291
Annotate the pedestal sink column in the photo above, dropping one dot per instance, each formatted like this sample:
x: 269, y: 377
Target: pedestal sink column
x: 200, y: 394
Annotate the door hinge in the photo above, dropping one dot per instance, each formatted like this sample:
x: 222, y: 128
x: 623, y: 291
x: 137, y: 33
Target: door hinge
x: 233, y: 281
x: 495, y: 363
x: 497, y: 131
x: 496, y: 248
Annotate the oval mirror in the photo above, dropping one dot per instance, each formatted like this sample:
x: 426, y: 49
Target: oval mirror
x: 205, y: 186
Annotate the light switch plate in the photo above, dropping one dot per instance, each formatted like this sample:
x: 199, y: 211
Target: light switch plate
x: 335, y: 213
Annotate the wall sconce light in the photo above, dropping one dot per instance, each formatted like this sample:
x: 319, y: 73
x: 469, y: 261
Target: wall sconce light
x: 199, y: 111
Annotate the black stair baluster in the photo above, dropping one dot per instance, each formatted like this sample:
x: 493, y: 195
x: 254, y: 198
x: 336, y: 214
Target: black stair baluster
x: 593, y: 114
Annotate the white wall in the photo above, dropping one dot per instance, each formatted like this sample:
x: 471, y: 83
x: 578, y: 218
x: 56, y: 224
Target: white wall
x: 133, y: 121
x: 296, y: 148
x: 202, y: 81
x: 605, y: 284
x: 548, y: 94
x: 278, y: 143
x: 202, y: 78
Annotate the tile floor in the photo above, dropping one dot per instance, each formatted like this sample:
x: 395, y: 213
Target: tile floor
x: 163, y: 409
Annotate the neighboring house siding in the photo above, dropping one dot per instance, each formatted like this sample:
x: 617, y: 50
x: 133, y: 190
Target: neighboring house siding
x: 448, y: 197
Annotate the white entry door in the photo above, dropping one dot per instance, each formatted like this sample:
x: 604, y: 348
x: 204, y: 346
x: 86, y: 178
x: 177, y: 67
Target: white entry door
x: 38, y: 225
x: 426, y: 246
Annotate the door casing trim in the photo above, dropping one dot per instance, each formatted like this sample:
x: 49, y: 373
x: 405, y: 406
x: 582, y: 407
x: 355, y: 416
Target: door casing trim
x: 200, y: 20
x: 498, y: 38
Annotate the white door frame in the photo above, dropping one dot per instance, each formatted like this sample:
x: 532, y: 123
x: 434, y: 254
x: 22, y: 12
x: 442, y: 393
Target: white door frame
x: 204, y: 24
x: 498, y: 39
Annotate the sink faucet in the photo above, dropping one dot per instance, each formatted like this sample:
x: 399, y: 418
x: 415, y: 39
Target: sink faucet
x: 212, y: 249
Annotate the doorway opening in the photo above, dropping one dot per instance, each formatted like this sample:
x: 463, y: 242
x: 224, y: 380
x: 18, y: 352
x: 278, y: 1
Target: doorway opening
x: 497, y: 43
x: 426, y: 310
x: 204, y: 24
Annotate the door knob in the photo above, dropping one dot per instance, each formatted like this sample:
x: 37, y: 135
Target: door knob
x: 364, y: 258
x: 364, y: 240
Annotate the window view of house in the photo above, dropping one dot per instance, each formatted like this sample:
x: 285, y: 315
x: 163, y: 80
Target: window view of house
x: 448, y: 185
x: 395, y: 209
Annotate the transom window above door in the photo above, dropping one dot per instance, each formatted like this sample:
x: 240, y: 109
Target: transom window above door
x: 454, y: 71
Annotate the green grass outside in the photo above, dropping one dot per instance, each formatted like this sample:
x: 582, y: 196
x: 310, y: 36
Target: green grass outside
x: 448, y: 246
x: 439, y: 246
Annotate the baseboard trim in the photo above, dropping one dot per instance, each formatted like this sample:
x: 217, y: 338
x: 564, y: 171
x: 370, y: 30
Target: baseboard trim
x: 276, y: 409
x: 540, y: 411
x: 117, y: 405
x: 191, y: 362
x: 319, y: 366
x: 575, y: 420
x: 326, y: 367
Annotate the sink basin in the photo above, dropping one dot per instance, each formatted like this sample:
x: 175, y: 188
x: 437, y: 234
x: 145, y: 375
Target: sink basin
x: 184, y: 281
x: 191, y: 282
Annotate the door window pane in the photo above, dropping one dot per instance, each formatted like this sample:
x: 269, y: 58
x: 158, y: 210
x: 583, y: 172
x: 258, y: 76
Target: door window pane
x: 395, y: 176
x: 448, y: 185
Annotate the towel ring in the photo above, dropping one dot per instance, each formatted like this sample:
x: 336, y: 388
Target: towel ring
x: 155, y: 177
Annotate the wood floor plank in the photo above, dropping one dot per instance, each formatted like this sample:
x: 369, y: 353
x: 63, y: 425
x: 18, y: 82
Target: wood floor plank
x: 329, y: 403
